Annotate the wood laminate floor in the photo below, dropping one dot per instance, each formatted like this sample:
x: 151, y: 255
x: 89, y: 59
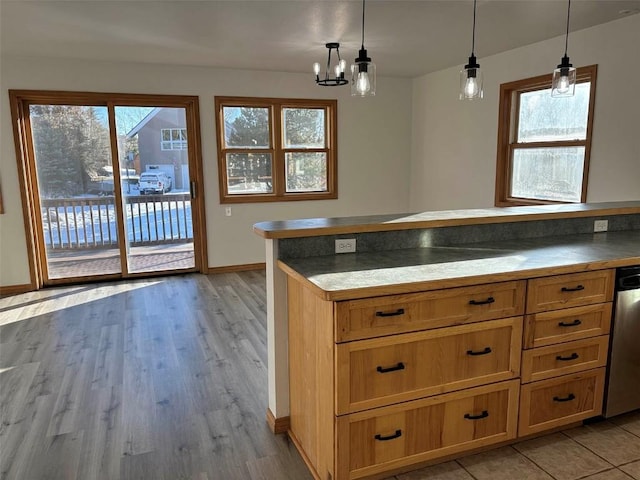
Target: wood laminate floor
x: 165, y: 379
x: 155, y: 379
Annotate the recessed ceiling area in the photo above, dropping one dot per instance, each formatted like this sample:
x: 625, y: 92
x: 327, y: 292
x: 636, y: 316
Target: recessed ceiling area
x: 404, y: 38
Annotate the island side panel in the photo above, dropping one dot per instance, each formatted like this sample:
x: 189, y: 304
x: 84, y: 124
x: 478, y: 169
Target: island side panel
x: 311, y: 372
x: 277, y: 341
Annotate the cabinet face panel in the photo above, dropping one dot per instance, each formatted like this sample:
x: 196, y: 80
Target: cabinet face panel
x: 559, y: 401
x: 374, y: 317
x: 562, y: 291
x: 564, y: 358
x: 377, y: 372
x: 389, y: 437
x: 558, y: 326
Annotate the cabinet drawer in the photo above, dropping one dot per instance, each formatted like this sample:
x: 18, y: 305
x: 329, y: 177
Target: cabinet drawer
x: 375, y: 372
x: 565, y: 358
x: 378, y: 440
x: 374, y: 317
x: 568, y: 324
x: 560, y: 401
x: 572, y: 290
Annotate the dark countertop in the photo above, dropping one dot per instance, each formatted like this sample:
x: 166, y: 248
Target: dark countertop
x: 358, y: 275
x: 311, y: 227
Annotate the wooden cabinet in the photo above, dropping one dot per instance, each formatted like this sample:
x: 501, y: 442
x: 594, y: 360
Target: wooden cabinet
x: 374, y: 317
x: 375, y: 441
x: 565, y: 345
x: 564, y: 358
x: 397, y: 368
x: 571, y: 290
x: 560, y: 401
x: 379, y: 384
x: 559, y: 326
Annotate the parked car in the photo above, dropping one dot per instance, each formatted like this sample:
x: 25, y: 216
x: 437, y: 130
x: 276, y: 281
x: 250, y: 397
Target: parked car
x: 157, y: 182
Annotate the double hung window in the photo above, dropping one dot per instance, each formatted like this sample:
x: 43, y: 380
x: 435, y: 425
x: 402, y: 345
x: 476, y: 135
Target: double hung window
x: 276, y: 149
x: 544, y: 142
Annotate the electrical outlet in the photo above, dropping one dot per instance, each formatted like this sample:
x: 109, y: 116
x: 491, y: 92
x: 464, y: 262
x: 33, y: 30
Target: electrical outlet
x: 227, y: 211
x: 600, y: 225
x: 345, y: 245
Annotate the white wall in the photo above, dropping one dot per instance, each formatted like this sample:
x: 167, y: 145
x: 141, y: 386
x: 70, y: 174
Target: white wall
x: 454, y: 143
x: 373, y: 146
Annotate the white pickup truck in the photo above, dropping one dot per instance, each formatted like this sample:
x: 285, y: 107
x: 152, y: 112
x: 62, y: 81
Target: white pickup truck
x: 156, y: 182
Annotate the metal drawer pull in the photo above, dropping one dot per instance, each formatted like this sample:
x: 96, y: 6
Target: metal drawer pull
x: 575, y: 323
x: 484, y: 414
x: 573, y: 356
x: 482, y: 302
x: 389, y: 437
x: 399, y: 311
x: 399, y: 366
x: 568, y: 398
x: 574, y: 289
x: 483, y: 352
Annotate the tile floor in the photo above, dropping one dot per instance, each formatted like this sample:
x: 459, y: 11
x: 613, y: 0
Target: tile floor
x: 607, y: 450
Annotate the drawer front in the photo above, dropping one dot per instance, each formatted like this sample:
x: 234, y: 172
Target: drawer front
x: 572, y: 290
x: 559, y: 326
x: 377, y: 372
x: 560, y: 401
x: 563, y: 359
x: 374, y: 317
x: 377, y: 440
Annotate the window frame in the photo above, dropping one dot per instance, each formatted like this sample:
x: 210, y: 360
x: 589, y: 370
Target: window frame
x: 277, y: 148
x: 508, y: 128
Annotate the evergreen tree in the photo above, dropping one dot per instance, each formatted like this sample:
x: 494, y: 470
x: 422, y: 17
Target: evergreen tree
x: 71, y: 143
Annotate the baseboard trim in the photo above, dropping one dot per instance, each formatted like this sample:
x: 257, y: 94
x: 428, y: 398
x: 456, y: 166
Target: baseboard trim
x: 15, y: 289
x: 278, y: 425
x: 238, y: 268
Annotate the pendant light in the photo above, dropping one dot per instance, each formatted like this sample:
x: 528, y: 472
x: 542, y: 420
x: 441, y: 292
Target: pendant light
x: 363, y: 71
x: 338, y: 69
x: 563, y: 83
x: 471, y: 75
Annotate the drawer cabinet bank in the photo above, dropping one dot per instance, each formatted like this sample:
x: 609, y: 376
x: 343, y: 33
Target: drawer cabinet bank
x: 380, y: 384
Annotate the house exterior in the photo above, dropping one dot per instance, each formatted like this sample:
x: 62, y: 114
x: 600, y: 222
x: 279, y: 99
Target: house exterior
x: 162, y: 144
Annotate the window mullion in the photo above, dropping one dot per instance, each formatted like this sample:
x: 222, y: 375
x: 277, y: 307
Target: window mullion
x: 277, y: 167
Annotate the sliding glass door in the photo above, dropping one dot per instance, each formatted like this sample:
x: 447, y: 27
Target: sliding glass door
x: 72, y: 154
x: 154, y: 172
x: 112, y: 189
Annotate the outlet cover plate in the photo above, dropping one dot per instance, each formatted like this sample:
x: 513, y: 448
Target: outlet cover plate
x: 600, y: 225
x: 345, y: 245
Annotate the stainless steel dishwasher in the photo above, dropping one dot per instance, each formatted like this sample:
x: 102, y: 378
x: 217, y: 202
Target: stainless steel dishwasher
x: 623, y: 385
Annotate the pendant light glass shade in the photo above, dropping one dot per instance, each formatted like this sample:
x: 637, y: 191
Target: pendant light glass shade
x: 338, y: 69
x: 471, y: 75
x: 471, y: 81
x: 363, y: 71
x: 563, y: 82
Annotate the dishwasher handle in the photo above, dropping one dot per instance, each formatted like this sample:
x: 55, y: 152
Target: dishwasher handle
x: 629, y: 282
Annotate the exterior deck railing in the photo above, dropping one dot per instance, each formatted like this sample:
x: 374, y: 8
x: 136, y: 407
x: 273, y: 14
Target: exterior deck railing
x: 90, y: 222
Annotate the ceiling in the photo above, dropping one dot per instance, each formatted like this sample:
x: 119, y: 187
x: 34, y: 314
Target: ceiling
x: 404, y: 38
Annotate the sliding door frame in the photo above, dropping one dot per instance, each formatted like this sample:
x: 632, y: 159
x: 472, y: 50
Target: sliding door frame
x: 20, y: 101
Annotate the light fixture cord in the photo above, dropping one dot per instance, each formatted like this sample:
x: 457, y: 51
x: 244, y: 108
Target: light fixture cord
x: 473, y: 35
x: 363, y: 24
x: 566, y: 40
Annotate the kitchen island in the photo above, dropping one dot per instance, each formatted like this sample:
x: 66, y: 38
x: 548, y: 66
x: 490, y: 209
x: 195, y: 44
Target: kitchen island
x: 358, y: 342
